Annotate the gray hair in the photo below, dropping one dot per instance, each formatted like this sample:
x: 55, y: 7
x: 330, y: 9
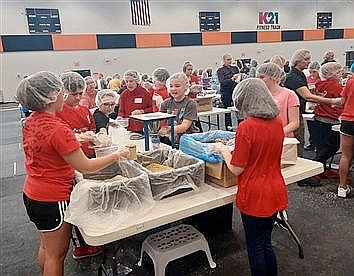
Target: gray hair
x: 278, y: 60
x: 73, y: 82
x: 314, y: 65
x: 161, y: 74
x: 181, y: 77
x: 106, y: 93
x: 297, y: 56
x: 132, y: 73
x: 253, y: 63
x: 330, y: 69
x: 225, y: 56
x: 271, y: 70
x: 116, y: 76
x: 253, y: 99
x: 328, y: 54
x: 37, y: 91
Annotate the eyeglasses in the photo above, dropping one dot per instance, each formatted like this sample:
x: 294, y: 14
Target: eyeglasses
x: 109, y: 104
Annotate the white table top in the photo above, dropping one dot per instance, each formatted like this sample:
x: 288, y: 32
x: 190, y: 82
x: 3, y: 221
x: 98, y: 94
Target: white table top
x: 191, y: 203
x: 214, y: 111
x: 152, y: 116
x: 308, y: 116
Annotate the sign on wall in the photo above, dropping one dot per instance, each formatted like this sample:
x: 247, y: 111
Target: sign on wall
x: 209, y: 21
x: 43, y: 20
x: 268, y: 20
x: 324, y: 20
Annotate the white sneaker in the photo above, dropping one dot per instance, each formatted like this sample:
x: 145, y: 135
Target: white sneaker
x: 343, y: 192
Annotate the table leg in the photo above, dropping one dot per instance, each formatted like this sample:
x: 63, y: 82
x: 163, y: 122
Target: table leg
x: 209, y: 123
x: 146, y: 134
x: 172, y: 124
x: 218, y: 120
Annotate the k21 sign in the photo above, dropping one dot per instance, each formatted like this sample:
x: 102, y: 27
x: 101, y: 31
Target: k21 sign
x: 268, y: 20
x: 268, y: 17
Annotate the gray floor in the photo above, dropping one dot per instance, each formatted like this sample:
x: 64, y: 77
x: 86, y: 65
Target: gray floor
x: 323, y: 222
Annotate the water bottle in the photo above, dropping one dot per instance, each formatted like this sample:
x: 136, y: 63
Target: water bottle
x: 155, y: 139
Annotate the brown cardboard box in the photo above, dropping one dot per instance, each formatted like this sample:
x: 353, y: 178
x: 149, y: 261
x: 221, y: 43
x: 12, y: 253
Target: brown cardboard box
x: 204, y: 103
x: 289, y: 154
x: 218, y: 173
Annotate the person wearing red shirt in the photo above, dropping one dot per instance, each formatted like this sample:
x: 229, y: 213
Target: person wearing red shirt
x: 159, y: 90
x: 328, y: 115
x: 78, y: 117
x: 255, y: 160
x: 347, y: 137
x: 134, y: 100
x: 89, y: 96
x: 194, y: 87
x: 52, y: 153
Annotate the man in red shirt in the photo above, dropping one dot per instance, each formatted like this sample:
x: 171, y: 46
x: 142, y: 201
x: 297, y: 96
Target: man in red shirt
x: 134, y: 100
x: 255, y: 160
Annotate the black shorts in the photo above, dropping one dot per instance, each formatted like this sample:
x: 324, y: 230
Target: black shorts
x: 47, y: 216
x: 347, y: 128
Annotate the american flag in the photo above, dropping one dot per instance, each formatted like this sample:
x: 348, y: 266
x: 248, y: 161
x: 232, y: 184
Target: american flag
x: 140, y: 11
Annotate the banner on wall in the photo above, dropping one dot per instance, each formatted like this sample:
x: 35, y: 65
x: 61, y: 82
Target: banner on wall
x: 140, y: 12
x: 268, y: 20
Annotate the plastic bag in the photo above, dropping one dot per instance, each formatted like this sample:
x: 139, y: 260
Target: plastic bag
x: 187, y: 174
x: 101, y: 205
x: 199, y: 144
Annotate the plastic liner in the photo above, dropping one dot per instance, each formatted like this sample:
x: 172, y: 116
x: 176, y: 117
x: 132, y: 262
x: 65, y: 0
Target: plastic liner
x: 199, y: 144
x: 101, y: 205
x: 188, y: 172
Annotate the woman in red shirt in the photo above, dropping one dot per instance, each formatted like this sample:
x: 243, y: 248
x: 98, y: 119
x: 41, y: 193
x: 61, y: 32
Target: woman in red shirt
x: 255, y: 160
x: 52, y: 153
x: 194, y: 87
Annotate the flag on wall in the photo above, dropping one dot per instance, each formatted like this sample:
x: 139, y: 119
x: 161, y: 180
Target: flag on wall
x: 140, y: 11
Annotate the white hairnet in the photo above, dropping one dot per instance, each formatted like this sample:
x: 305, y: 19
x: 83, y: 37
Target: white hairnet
x: 182, y: 78
x: 38, y: 90
x: 278, y: 60
x: 161, y: 74
x: 73, y: 82
x: 105, y: 96
x: 132, y: 73
x: 271, y: 70
x: 314, y: 65
x: 330, y: 69
x: 253, y: 99
x: 297, y: 56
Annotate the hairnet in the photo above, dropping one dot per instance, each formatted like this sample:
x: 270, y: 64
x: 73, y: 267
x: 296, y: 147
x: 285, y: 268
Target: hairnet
x: 278, y: 60
x: 186, y: 64
x: 314, y: 65
x: 297, y: 56
x: 253, y: 63
x: 253, y: 99
x: 87, y: 78
x: 182, y: 78
x: 38, y: 90
x: 330, y: 69
x: 161, y: 74
x: 328, y: 54
x: 105, y: 96
x: 132, y: 73
x: 271, y: 70
x: 73, y: 82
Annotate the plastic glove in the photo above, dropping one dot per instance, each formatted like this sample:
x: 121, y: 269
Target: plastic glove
x: 157, y: 99
x: 85, y: 136
x: 122, y: 153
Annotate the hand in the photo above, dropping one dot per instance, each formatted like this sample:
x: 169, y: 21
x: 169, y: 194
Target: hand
x: 196, y: 88
x: 85, y: 136
x: 337, y: 101
x: 164, y: 131
x: 219, y: 148
x: 122, y: 153
x: 137, y: 112
x: 113, y: 123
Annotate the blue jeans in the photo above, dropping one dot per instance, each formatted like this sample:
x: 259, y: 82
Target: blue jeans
x: 258, y: 232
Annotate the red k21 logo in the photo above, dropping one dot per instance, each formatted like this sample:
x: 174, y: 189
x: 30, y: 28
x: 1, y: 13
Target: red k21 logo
x: 268, y: 17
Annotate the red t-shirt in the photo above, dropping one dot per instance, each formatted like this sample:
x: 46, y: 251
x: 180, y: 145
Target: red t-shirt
x: 161, y: 92
x: 192, y: 80
x: 80, y: 119
x: 348, y: 95
x: 261, y: 187
x: 46, y: 139
x: 88, y: 100
x: 129, y: 101
x: 329, y: 89
x: 311, y: 83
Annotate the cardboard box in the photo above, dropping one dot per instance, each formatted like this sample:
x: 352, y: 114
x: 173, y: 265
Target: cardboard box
x: 289, y: 154
x: 204, y: 103
x: 218, y: 173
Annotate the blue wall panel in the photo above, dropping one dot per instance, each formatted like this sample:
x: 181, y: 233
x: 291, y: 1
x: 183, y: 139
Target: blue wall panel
x: 112, y: 41
x: 15, y: 43
x: 186, y: 39
x: 244, y: 37
x: 294, y: 35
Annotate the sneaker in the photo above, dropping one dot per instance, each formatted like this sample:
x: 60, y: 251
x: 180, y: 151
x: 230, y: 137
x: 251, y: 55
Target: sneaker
x: 86, y: 251
x: 329, y: 174
x: 343, y: 192
x: 311, y: 181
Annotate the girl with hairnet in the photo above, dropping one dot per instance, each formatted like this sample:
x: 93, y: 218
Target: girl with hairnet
x: 328, y: 115
x: 159, y: 90
x: 255, y: 160
x: 106, y: 100
x: 134, y: 100
x: 52, y: 153
x: 285, y: 98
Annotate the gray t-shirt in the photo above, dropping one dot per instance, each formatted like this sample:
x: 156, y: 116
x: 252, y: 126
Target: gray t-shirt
x: 185, y: 109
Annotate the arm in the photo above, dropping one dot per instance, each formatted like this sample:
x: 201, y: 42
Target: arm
x: 226, y: 154
x: 184, y: 126
x: 78, y: 160
x: 294, y: 121
x: 304, y: 92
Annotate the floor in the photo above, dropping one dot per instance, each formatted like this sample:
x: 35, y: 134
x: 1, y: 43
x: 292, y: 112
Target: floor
x: 323, y: 223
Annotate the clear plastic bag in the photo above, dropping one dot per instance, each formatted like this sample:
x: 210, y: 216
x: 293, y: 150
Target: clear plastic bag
x: 199, y: 144
x: 100, y: 204
x: 187, y: 174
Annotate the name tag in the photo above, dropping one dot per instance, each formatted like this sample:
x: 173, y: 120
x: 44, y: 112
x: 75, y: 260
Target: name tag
x: 138, y: 100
